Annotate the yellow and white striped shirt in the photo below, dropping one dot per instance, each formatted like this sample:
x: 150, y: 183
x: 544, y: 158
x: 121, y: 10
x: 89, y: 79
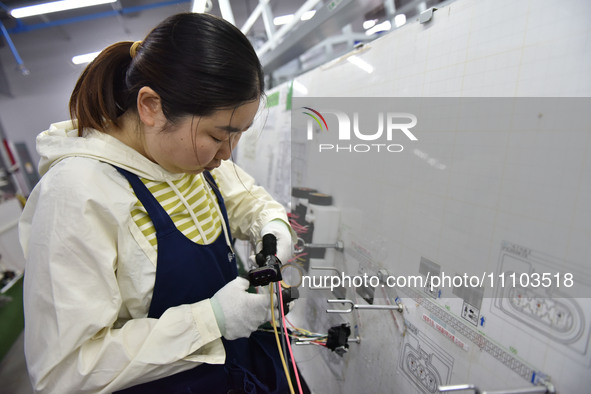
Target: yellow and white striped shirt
x: 191, y: 187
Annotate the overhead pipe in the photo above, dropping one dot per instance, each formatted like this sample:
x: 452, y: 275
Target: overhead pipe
x: 19, y: 61
x: 21, y: 65
x: 22, y: 28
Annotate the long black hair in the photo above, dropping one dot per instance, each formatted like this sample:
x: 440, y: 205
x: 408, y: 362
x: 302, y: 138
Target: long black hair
x: 197, y: 63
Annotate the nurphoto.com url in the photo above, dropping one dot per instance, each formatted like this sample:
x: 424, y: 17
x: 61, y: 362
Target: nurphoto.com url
x: 443, y: 280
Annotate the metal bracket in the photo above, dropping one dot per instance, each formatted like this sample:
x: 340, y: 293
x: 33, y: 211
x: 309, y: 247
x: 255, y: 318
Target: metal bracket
x: 338, y: 246
x: 426, y: 15
x: 303, y: 342
x: 398, y: 307
x: 547, y: 388
x: 301, y: 245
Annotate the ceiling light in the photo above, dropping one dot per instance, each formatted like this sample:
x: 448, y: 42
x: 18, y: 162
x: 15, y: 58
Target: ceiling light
x: 308, y: 15
x: 285, y: 19
x: 55, y: 6
x: 86, y: 58
x: 369, y: 23
x: 384, y: 26
x: 399, y: 20
x: 199, y: 6
x: 282, y: 20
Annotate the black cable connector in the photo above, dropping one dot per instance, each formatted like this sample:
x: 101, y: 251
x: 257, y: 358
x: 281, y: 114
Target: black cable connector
x: 269, y: 269
x: 288, y: 295
x: 269, y: 250
x: 338, y: 339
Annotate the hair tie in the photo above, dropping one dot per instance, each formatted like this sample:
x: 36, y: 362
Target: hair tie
x: 134, y: 47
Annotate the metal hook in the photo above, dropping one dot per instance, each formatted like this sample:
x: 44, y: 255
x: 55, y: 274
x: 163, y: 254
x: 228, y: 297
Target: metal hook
x: 326, y: 269
x: 546, y: 388
x: 459, y: 387
x: 303, y: 342
x: 397, y: 307
x: 301, y: 245
x: 339, y: 245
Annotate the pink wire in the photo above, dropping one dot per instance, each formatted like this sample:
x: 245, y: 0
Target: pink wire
x: 295, y: 369
x: 290, y: 323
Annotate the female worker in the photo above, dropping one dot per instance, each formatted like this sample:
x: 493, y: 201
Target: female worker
x: 131, y: 281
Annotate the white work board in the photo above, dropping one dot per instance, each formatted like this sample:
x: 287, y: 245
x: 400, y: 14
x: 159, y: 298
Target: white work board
x: 508, y: 200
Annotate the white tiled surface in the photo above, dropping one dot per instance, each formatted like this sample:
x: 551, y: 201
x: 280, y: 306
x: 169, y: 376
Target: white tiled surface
x: 531, y: 187
x: 471, y: 48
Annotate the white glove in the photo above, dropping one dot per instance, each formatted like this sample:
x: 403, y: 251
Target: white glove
x: 239, y: 313
x: 282, y: 232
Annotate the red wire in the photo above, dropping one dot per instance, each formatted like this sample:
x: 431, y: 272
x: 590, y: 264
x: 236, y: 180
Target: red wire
x: 295, y: 369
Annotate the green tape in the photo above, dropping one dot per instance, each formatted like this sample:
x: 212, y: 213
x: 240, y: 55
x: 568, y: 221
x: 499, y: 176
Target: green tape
x: 289, y: 96
x: 273, y: 100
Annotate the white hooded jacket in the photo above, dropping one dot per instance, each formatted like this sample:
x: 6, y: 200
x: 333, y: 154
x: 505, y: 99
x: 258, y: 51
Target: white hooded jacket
x: 90, y: 271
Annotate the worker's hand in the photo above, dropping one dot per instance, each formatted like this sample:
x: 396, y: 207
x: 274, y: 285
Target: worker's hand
x: 239, y: 313
x: 282, y: 232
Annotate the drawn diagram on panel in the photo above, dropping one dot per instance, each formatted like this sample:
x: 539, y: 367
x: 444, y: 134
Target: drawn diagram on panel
x: 423, y: 362
x: 543, y: 312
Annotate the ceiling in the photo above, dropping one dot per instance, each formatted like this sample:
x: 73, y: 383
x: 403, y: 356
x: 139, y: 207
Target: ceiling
x: 32, y: 37
x: 128, y: 9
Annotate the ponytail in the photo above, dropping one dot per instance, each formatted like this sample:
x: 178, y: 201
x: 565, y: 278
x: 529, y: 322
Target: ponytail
x: 100, y: 96
x: 197, y: 63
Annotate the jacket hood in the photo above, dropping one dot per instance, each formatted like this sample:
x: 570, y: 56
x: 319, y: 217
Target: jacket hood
x: 61, y: 140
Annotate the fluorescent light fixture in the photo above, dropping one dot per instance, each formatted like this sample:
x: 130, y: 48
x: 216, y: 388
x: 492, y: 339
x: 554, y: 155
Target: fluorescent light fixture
x: 369, y: 23
x: 198, y: 6
x: 308, y: 15
x: 282, y: 20
x: 399, y: 20
x: 362, y: 64
x: 384, y: 26
x: 86, y: 58
x: 285, y: 19
x: 55, y: 6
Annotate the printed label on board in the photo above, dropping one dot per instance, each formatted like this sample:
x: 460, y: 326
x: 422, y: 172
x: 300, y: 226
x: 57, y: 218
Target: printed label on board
x: 445, y: 332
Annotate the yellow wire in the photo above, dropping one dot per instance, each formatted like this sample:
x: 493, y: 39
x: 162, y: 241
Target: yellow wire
x: 309, y: 333
x: 278, y: 343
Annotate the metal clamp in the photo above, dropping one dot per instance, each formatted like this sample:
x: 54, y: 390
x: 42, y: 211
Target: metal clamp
x: 302, y: 342
x: 547, y: 388
x: 397, y: 307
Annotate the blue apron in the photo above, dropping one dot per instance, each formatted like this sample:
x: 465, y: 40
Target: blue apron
x: 187, y: 272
